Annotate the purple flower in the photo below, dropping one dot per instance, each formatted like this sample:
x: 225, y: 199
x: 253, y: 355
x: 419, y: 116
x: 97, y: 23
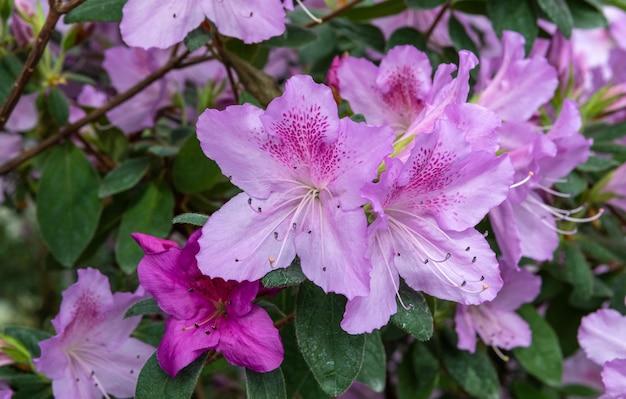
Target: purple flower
x: 91, y: 97
x: 526, y: 224
x: 513, y: 86
x: 10, y: 146
x: 205, y: 313
x: 24, y: 116
x: 401, y: 93
x: 578, y: 369
x: 301, y: 169
x: 495, y: 321
x: 426, y: 210
x: 616, y: 187
x: 5, y: 391
x: 249, y: 20
x: 92, y: 354
x: 601, y: 335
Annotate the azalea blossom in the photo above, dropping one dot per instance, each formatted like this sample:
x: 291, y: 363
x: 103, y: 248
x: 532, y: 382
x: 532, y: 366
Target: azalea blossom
x: 249, y: 20
x: 205, y: 313
x: 401, y: 93
x: 5, y: 391
x: 92, y: 354
x: 10, y: 146
x: 601, y: 336
x: 426, y: 210
x: 495, y: 321
x: 301, y: 169
x: 616, y: 187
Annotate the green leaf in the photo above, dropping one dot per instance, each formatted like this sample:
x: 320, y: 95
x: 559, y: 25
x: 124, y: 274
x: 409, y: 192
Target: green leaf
x: 543, y: 358
x: 373, y: 371
x: 153, y: 383
x: 606, y: 132
x: 574, y: 184
x: 406, y: 36
x: 334, y: 356
x: 29, y: 337
x: 473, y: 371
x: 424, y: 3
x: 10, y: 67
x: 416, y: 320
x: 58, y: 106
x: 578, y: 272
x: 425, y: 369
x: 265, y: 385
x: 96, y: 10
x: 516, y: 15
x: 284, y: 277
x: 365, y: 35
x: 293, y: 37
x: 559, y: 13
x: 151, y: 214
x: 68, y: 207
x: 597, y: 164
x: 195, y: 219
x: 196, y: 39
x: 459, y: 36
x: 298, y: 377
x: 147, y: 306
x: 579, y: 391
x: 587, y: 14
x: 193, y: 172
x: 379, y: 10
x: 124, y: 177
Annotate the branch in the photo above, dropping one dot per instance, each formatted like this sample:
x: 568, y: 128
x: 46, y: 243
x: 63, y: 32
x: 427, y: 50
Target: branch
x: 173, y: 63
x: 334, y: 14
x: 54, y: 14
x: 438, y: 18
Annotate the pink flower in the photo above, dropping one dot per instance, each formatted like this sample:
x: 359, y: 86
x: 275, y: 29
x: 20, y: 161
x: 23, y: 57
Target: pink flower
x: 301, y: 169
x: 5, y: 391
x: 426, y: 210
x: 495, y: 321
x: 92, y: 354
x: 601, y: 335
x: 205, y: 313
x: 249, y: 20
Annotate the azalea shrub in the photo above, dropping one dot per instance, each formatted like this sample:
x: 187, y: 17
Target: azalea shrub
x: 272, y: 199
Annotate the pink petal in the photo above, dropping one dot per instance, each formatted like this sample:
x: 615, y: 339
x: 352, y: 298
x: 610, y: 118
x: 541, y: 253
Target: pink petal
x: 614, y: 379
x: 520, y: 287
x: 536, y: 229
x: 506, y: 232
x: 465, y: 330
x: 601, y: 335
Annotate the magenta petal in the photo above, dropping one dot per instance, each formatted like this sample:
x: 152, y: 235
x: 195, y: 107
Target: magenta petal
x: 251, y: 341
x: 242, y: 296
x: 153, y: 245
x: 600, y: 335
x: 182, y: 344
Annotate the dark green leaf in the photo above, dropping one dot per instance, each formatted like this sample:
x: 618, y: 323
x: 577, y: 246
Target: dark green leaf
x: 416, y: 320
x: 147, y: 306
x: 294, y: 36
x: 473, y: 371
x: 406, y: 36
x: 578, y: 272
x: 543, y: 358
x: 379, y: 10
x: 516, y: 15
x: 574, y: 184
x: 471, y: 6
x: 153, y: 383
x: 265, y: 385
x: 96, y: 10
x: 580, y: 391
x: 298, y: 377
x: 559, y: 13
x: 334, y: 356
x: 373, y: 371
x: 195, y: 219
x: 424, y: 3
x: 365, y: 35
x: 619, y: 288
x: 193, y: 172
x: 459, y: 36
x: 606, y: 132
x: 58, y: 106
x: 29, y: 337
x: 426, y: 370
x: 597, y: 164
x: 68, y: 207
x: 596, y: 250
x: 284, y: 277
x: 197, y: 38
x: 10, y: 67
x: 124, y: 177
x: 587, y: 14
x: 151, y: 214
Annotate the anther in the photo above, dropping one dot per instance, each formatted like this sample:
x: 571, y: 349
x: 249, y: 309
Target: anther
x: 236, y: 260
x: 463, y: 283
x: 474, y: 259
x: 482, y: 278
x: 467, y: 249
x: 309, y: 232
x: 190, y: 290
x: 132, y: 371
x: 323, y: 268
x: 276, y: 235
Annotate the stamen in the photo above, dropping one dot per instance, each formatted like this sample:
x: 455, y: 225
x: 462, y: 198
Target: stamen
x: 553, y: 192
x: 500, y: 354
x: 309, y: 13
x: 395, y: 287
x: 523, y: 181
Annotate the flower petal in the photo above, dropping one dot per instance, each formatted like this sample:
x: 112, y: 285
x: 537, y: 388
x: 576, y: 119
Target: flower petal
x: 465, y: 330
x: 536, y: 227
x: 614, y: 379
x: 251, y: 341
x: 506, y: 232
x: 146, y: 24
x: 500, y: 328
x: 601, y: 335
x: 520, y: 287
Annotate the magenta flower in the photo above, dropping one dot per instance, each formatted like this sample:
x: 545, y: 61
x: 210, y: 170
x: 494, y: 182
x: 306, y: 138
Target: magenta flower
x: 5, y: 391
x: 514, y: 87
x: 425, y: 212
x: 92, y: 354
x: 205, y: 313
x: 249, y: 20
x: 601, y: 336
x: 526, y: 224
x: 401, y: 93
x: 301, y: 169
x: 495, y: 321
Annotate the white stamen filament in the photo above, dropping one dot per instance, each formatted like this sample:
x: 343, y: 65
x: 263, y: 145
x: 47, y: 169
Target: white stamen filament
x: 563, y: 214
x: 523, y: 181
x: 500, y: 354
x: 308, y: 12
x: 553, y: 192
x: 308, y: 197
x: 393, y: 281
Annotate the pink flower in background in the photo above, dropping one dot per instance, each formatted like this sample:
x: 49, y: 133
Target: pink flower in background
x: 301, y: 169
x: 249, y: 20
x: 496, y: 322
x: 24, y: 116
x: 5, y: 391
x: 426, y: 210
x: 578, y: 369
x: 205, y: 313
x: 91, y: 97
x: 10, y: 147
x: 92, y: 354
x: 617, y: 187
x: 601, y: 336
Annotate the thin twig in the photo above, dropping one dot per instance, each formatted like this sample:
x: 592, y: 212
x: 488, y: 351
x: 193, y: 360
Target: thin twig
x: 334, y: 14
x: 438, y: 18
x: 227, y: 65
x: 94, y: 115
x: 103, y: 159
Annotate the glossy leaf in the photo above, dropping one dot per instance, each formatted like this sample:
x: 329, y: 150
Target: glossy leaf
x: 416, y: 320
x: 373, y: 371
x: 193, y: 172
x: 473, y: 371
x: 153, y: 383
x: 265, y: 385
x: 124, y: 177
x: 97, y: 10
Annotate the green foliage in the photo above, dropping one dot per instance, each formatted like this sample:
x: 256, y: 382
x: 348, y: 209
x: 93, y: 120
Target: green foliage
x: 124, y: 177
x: 58, y: 106
x: 559, y: 13
x: 153, y: 383
x: 97, y: 11
x: 373, y: 371
x: 416, y: 318
x: 516, y: 15
x: 265, y: 385
x: 193, y: 172
x: 284, y: 277
x: 474, y: 372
